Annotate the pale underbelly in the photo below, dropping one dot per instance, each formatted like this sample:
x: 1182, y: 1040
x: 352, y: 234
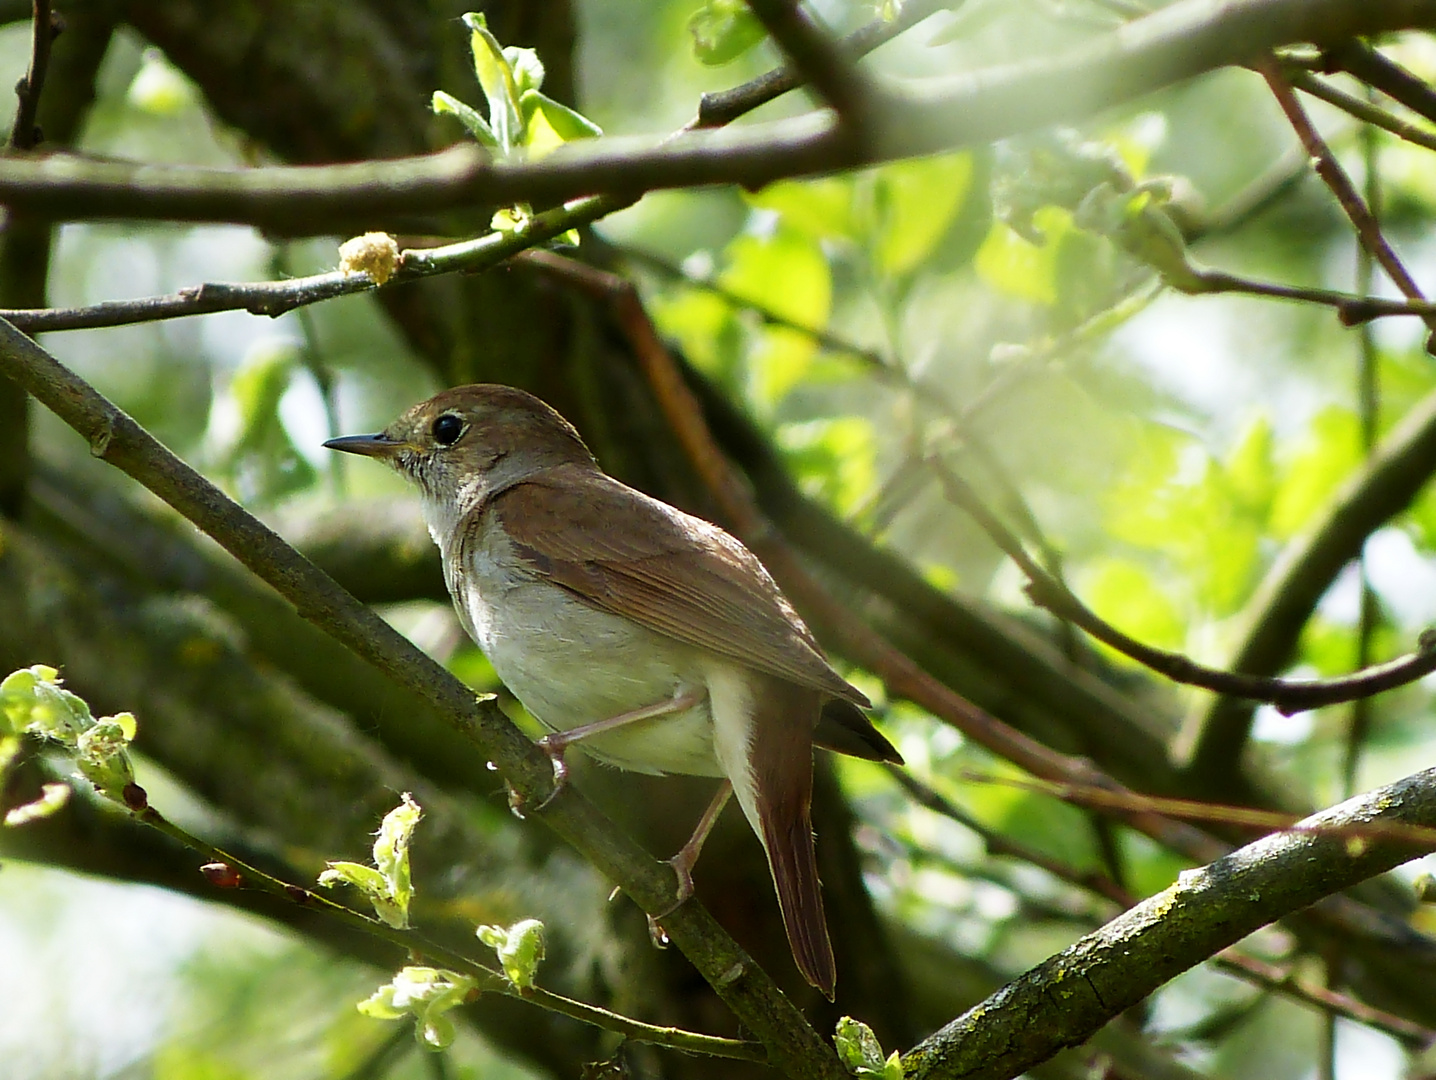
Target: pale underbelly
x: 570, y: 664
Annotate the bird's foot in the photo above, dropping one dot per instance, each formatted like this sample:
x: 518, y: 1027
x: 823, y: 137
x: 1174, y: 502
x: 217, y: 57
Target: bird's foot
x: 554, y: 746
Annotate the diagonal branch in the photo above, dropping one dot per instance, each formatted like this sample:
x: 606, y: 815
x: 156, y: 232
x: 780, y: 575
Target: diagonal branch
x: 1368, y: 229
x: 1207, y: 910
x: 818, y: 60
x: 1289, y: 696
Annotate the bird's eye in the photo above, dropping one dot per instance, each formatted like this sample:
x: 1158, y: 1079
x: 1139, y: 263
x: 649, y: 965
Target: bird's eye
x: 447, y: 429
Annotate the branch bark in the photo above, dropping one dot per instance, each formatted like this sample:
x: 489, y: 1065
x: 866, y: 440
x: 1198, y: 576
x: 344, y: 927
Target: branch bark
x: 1183, y: 40
x: 1066, y: 999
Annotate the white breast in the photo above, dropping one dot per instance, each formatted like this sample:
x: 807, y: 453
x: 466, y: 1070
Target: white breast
x: 573, y: 664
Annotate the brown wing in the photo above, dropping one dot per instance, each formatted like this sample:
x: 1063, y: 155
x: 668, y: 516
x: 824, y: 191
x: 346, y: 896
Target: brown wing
x: 664, y: 569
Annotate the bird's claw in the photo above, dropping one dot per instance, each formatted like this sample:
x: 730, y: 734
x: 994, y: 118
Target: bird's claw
x: 554, y: 749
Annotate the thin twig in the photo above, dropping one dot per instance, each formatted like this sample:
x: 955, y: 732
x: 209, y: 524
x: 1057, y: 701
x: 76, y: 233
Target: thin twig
x: 25, y: 134
x: 725, y: 106
x: 1356, y: 834
x: 1362, y: 110
x: 491, y: 980
x: 999, y: 844
x: 1334, y: 176
x: 1286, y: 695
x: 1368, y: 406
x: 1380, y: 71
x: 819, y: 60
x: 1280, y: 980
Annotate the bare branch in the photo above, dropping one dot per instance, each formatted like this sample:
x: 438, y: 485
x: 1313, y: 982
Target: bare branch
x: 1288, y: 696
x: 818, y: 60
x: 1368, y: 229
x: 1384, y: 74
x: 1207, y: 910
x: 26, y: 134
x: 1185, y: 39
x: 725, y: 106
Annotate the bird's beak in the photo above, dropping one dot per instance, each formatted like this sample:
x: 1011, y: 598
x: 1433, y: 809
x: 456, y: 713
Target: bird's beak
x: 379, y: 446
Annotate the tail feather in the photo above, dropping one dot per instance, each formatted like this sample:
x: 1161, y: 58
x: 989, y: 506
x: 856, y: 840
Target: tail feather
x: 763, y: 735
x: 793, y: 860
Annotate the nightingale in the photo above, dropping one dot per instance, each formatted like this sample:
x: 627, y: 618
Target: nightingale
x: 652, y: 638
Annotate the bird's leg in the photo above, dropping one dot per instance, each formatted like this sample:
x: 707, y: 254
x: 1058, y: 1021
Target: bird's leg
x: 555, y: 744
x: 687, y: 856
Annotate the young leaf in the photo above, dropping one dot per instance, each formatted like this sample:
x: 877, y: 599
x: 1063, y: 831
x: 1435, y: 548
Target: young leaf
x: 548, y: 124
x: 527, y: 69
x: 387, y: 884
x: 496, y: 79
x: 447, y: 105
x: 425, y: 993
x: 724, y: 30
x: 520, y: 949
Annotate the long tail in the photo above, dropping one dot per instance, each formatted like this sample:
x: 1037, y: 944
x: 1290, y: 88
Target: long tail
x: 788, y: 838
x: 764, y: 736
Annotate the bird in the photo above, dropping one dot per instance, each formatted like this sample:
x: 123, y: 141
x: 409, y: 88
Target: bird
x: 652, y: 639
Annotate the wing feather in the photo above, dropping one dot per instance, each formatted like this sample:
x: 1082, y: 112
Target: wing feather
x: 628, y: 554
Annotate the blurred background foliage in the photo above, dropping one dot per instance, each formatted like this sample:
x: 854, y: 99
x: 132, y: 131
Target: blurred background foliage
x: 1168, y: 447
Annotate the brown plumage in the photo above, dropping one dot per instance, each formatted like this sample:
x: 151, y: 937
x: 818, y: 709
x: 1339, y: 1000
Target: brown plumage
x: 594, y: 601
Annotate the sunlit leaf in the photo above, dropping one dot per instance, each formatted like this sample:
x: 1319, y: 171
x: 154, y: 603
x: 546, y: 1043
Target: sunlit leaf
x: 496, y: 79
x: 821, y: 208
x: 1332, y: 450
x: 724, y: 30
x: 914, y: 204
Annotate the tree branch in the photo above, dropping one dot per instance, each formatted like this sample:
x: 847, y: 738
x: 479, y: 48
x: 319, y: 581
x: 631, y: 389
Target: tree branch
x: 1289, y: 696
x: 1383, y: 73
x: 819, y: 61
x: 1182, y: 40
x: 1207, y: 910
x: 25, y: 134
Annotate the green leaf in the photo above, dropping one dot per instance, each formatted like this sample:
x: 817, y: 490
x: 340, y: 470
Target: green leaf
x: 548, y: 124
x: 787, y: 274
x: 860, y: 1052
x: 1014, y: 265
x: 1332, y: 451
x: 526, y: 67
x: 724, y: 30
x: 821, y: 208
x: 447, y: 105
x: 262, y: 463
x: 496, y: 79
x: 387, y: 885
x: 834, y: 460
x: 425, y: 993
x: 914, y: 204
x: 1127, y: 595
x: 520, y: 949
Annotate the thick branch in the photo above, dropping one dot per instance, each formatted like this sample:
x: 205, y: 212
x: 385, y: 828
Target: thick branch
x: 1066, y: 999
x: 1185, y: 39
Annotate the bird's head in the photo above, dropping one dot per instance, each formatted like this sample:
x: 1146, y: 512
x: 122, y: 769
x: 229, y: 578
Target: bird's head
x: 463, y: 444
